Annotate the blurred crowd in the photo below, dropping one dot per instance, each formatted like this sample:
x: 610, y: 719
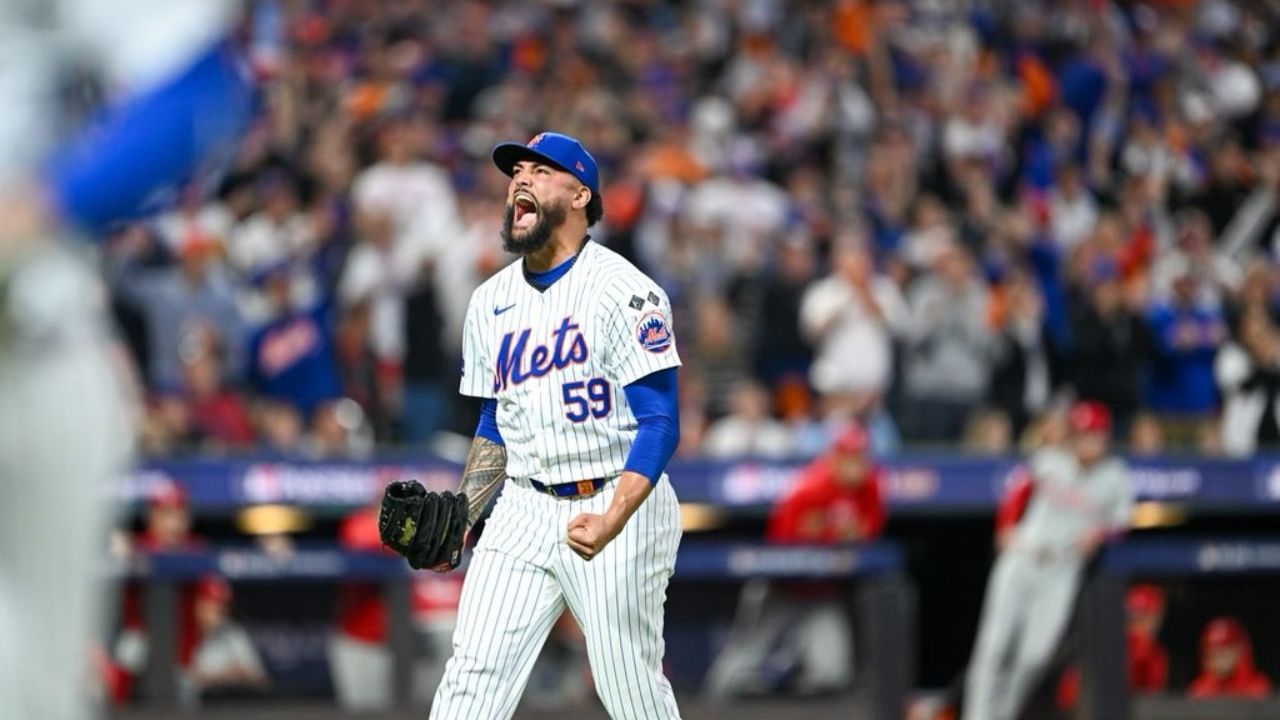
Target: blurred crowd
x: 944, y: 218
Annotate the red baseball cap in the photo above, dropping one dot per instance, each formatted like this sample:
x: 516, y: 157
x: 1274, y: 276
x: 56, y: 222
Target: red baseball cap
x: 168, y: 495
x: 1144, y: 598
x: 1089, y: 417
x: 1222, y: 632
x: 853, y: 439
x: 212, y: 587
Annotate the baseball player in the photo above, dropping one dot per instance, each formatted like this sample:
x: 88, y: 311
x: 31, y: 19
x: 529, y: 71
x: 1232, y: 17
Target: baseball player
x: 1226, y: 663
x: 1146, y: 661
x: 796, y: 635
x: 1079, y: 496
x: 572, y: 351
x: 177, y: 96
x: 360, y: 660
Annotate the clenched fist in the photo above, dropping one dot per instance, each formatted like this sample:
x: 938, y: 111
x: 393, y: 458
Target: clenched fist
x: 589, y: 533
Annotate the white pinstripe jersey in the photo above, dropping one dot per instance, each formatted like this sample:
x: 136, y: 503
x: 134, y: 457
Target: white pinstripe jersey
x: 557, y: 362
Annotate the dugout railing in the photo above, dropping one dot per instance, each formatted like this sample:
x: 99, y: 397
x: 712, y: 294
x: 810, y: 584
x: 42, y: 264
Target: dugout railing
x: 917, y: 487
x: 1104, y: 692
x: 884, y: 605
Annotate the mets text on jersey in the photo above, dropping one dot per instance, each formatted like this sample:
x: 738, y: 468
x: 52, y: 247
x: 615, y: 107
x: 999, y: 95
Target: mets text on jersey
x: 511, y: 365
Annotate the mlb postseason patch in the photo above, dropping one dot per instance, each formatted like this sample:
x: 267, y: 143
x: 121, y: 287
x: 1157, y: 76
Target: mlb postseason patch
x: 652, y: 333
x: 637, y: 302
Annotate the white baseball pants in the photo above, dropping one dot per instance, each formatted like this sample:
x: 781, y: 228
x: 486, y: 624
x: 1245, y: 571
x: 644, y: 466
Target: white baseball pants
x: 64, y: 437
x: 1026, y: 609
x: 521, y: 578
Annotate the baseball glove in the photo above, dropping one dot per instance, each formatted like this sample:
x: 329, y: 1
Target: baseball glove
x: 427, y: 528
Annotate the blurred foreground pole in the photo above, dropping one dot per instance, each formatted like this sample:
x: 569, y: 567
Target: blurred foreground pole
x: 160, y: 681
x: 403, y: 639
x: 1104, y: 692
x: 886, y: 635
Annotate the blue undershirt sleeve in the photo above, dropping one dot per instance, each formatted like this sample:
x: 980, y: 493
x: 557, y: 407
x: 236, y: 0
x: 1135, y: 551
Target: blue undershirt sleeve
x: 488, y: 427
x: 653, y: 400
x: 113, y: 166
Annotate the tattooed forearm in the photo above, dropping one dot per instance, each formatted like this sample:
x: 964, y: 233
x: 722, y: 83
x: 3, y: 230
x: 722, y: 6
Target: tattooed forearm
x: 485, y: 470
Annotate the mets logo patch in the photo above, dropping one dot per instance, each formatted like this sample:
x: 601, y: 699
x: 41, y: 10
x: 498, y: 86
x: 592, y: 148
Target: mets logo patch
x: 653, y: 333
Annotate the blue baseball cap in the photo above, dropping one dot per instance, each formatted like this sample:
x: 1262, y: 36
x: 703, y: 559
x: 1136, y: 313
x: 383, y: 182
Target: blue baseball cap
x: 551, y: 148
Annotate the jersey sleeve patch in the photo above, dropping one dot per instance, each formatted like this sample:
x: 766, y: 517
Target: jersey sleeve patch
x: 653, y: 332
x: 637, y: 302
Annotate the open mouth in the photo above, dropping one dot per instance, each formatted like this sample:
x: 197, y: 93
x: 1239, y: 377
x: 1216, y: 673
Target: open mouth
x: 526, y: 211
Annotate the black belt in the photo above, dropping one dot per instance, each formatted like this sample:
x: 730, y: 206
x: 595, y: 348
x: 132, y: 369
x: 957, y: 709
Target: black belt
x: 571, y: 489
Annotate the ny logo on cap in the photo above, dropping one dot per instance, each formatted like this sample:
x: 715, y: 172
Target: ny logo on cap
x: 536, y: 139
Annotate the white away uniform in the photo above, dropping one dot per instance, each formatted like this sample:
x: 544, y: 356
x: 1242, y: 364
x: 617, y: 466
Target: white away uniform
x: 1034, y: 582
x: 557, y: 362
x: 64, y: 432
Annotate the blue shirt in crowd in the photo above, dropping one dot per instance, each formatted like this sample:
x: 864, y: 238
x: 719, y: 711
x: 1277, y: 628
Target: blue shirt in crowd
x: 291, y: 359
x: 1181, y: 378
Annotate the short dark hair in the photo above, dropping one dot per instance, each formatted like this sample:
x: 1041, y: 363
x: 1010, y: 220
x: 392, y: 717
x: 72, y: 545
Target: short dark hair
x: 595, y: 209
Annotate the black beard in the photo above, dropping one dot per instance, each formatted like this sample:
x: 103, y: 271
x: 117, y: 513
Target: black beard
x: 549, y: 218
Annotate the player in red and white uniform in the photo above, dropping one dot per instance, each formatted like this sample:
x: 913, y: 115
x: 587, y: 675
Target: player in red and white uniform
x: 360, y: 659
x: 836, y: 499
x: 167, y: 528
x: 1226, y: 662
x: 1146, y: 661
x: 1079, y: 497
